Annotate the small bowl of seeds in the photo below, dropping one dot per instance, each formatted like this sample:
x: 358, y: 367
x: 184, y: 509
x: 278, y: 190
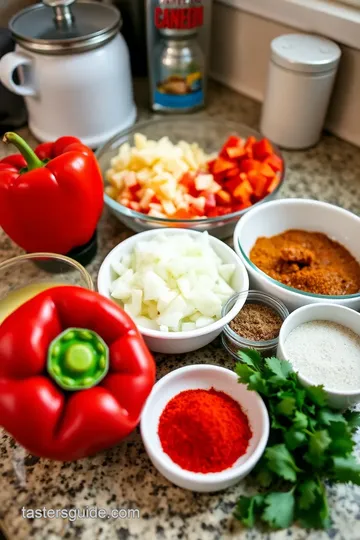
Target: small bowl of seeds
x: 256, y: 326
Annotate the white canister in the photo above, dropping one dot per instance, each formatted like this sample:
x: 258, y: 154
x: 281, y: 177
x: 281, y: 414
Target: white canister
x: 300, y: 80
x: 74, y: 70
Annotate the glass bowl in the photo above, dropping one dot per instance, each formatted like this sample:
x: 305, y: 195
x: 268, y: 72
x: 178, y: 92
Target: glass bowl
x: 234, y: 343
x: 21, y: 278
x: 211, y: 135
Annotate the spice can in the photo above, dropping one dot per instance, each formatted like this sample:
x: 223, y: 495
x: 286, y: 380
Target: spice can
x: 234, y: 343
x: 301, y: 77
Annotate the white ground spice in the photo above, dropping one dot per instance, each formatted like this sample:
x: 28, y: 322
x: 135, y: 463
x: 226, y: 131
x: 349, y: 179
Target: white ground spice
x: 325, y: 353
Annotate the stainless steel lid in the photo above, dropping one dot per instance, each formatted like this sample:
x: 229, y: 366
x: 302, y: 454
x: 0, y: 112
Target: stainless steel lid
x: 305, y: 53
x: 65, y: 27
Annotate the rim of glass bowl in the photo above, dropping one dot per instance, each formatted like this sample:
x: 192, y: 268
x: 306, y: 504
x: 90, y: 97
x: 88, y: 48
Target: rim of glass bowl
x: 53, y: 256
x: 275, y: 304
x: 292, y: 289
x: 234, y: 128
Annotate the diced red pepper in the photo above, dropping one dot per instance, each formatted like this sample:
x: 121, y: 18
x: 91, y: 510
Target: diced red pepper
x: 243, y: 191
x: 133, y: 189
x: 223, y: 197
x: 210, y: 200
x: 220, y: 211
x: 188, y: 180
x: 185, y: 214
x: 266, y: 170
x: 235, y: 152
x: 231, y: 142
x: 248, y: 147
x: 262, y: 149
x: 233, y: 172
x: 275, y: 162
x: 247, y: 165
x: 259, y: 183
x: 242, y: 206
x: 233, y: 183
x: 273, y: 185
x: 222, y: 165
x: 211, y: 164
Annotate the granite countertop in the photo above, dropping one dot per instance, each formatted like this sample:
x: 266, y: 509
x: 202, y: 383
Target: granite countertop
x: 123, y: 477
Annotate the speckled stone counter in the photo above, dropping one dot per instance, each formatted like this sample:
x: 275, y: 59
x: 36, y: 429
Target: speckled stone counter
x: 124, y: 477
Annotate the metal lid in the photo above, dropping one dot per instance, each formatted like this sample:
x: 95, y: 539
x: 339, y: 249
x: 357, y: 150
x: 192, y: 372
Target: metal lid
x: 305, y: 53
x: 63, y: 27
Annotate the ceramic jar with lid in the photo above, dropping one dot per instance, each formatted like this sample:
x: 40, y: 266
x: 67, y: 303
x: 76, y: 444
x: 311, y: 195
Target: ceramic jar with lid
x: 74, y: 70
x: 300, y: 81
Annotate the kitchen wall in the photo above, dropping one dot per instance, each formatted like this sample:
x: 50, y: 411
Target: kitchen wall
x: 8, y: 8
x: 240, y: 57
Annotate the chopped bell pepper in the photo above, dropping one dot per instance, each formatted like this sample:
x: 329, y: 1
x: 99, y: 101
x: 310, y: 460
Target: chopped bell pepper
x: 262, y: 149
x: 74, y: 374
x: 52, y: 202
x: 275, y: 162
x: 243, y: 191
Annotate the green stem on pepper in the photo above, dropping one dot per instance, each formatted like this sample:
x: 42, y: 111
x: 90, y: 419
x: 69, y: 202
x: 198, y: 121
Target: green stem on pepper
x: 33, y: 162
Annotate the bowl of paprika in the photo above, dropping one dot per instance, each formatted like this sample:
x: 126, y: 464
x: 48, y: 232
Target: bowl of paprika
x: 203, y: 430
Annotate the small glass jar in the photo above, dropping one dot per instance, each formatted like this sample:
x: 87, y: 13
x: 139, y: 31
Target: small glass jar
x: 234, y: 343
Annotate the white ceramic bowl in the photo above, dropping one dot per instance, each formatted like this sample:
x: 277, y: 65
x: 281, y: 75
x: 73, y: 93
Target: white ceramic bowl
x: 179, y: 342
x: 276, y: 217
x: 204, y: 377
x: 325, y: 312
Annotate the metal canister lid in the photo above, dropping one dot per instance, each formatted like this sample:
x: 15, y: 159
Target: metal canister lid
x: 305, y: 53
x: 65, y: 27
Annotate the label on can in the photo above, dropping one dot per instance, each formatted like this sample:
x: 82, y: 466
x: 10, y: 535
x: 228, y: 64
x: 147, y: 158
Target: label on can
x: 183, y: 90
x: 179, y: 14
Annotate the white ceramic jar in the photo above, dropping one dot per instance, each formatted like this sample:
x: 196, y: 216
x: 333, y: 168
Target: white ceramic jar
x: 74, y: 71
x: 300, y: 80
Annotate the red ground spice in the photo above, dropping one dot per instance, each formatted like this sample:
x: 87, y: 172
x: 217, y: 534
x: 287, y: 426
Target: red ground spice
x: 204, y: 430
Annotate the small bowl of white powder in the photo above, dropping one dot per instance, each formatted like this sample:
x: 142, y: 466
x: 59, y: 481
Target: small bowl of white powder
x: 322, y: 342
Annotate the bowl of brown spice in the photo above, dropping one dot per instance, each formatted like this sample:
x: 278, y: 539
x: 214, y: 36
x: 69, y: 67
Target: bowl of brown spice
x: 256, y: 326
x: 302, y: 252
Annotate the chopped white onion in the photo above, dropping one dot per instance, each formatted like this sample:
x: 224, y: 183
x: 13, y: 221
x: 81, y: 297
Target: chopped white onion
x: 172, y: 283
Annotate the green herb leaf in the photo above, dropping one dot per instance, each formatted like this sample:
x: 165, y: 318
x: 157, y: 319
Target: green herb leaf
x: 257, y: 383
x: 247, y: 508
x: 281, y: 462
x: 252, y: 358
x: 318, y: 443
x: 279, y: 510
x: 300, y: 395
x: 309, y: 443
x: 281, y: 368
x: 346, y: 469
x: 353, y: 419
x: 317, y: 516
x: 286, y: 406
x: 317, y: 395
x: 342, y: 443
x: 294, y: 438
x: 264, y: 477
x: 308, y: 489
x: 300, y: 420
x: 244, y: 372
x: 327, y: 416
x: 276, y: 424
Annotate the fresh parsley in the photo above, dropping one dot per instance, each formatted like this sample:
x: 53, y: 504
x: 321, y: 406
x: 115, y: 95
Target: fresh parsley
x: 309, y: 443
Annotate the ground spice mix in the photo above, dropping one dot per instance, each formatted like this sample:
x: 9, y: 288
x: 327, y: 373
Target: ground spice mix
x: 309, y: 261
x: 257, y: 322
x: 204, y: 430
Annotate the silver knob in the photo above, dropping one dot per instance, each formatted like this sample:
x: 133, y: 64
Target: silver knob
x: 63, y: 15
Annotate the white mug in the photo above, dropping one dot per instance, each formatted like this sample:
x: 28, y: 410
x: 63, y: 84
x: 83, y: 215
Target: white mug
x: 84, y: 94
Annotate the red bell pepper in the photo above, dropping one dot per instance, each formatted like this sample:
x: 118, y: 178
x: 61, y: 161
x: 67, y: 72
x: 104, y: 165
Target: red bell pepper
x: 52, y: 202
x: 74, y: 374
